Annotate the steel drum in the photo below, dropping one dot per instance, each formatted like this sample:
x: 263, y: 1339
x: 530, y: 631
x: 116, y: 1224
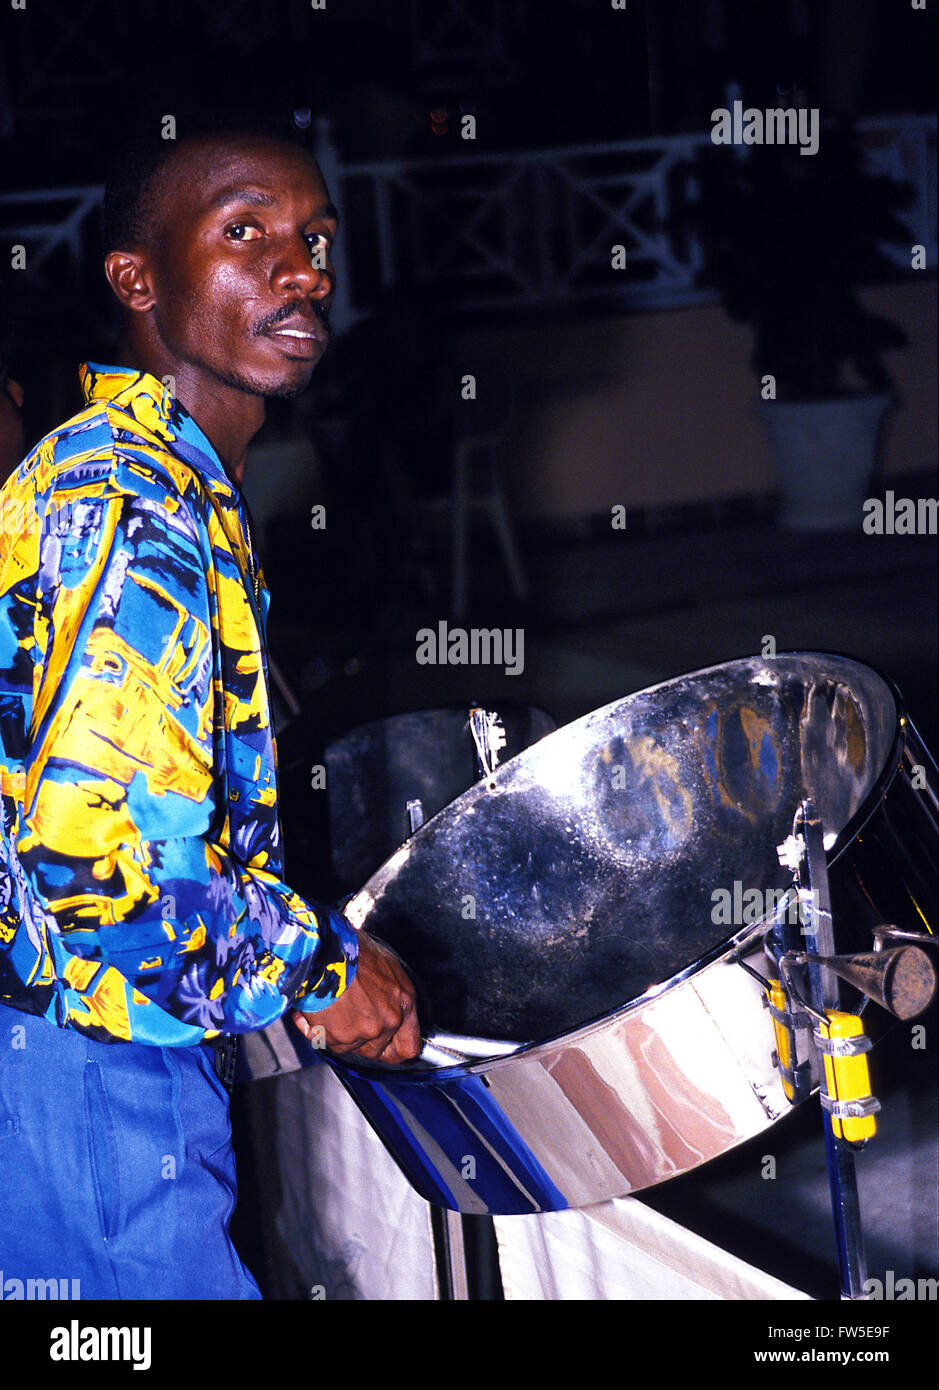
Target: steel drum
x: 575, y: 922
x: 424, y: 759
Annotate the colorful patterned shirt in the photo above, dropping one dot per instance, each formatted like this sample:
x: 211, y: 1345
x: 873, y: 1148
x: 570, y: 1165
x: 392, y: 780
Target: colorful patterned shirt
x: 141, y: 892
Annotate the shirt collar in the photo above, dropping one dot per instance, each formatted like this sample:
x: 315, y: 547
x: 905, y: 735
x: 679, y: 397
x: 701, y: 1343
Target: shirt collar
x: 152, y: 404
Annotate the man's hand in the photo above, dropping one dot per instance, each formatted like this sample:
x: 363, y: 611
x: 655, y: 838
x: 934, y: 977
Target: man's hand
x: 376, y: 1016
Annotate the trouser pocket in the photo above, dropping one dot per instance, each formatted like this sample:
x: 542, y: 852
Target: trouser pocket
x: 103, y: 1151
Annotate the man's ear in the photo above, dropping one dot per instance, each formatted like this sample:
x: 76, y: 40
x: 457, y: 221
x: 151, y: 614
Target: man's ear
x: 129, y: 277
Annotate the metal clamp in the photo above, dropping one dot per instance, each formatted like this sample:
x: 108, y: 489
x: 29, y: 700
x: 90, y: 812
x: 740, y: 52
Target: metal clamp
x: 794, y: 1078
x: 842, y: 1047
x: 857, y: 1109
x: 787, y: 1019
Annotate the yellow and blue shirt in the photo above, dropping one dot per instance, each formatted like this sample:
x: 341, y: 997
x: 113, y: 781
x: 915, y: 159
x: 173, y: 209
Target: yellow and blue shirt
x: 141, y: 892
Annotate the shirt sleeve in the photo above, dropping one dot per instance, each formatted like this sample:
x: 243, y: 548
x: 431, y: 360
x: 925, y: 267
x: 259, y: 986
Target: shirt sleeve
x: 159, y: 933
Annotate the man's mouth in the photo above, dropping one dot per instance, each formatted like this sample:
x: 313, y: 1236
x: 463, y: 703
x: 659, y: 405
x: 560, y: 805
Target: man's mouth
x: 300, y: 336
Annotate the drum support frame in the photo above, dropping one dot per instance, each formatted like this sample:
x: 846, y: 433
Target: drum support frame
x: 449, y: 1254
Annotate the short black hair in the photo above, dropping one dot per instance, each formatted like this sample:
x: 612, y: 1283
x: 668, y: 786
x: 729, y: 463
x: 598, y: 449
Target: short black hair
x: 128, y: 210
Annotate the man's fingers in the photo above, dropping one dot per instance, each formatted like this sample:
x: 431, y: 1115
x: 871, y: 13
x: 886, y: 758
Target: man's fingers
x: 376, y: 1017
x: 398, y: 1043
x: 407, y: 1040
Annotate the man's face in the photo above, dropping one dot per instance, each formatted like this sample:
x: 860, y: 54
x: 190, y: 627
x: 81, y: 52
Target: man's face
x: 240, y: 263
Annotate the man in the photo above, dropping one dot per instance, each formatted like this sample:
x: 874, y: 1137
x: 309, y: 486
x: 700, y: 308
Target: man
x: 142, y: 909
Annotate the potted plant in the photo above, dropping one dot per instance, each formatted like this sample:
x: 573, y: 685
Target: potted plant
x: 787, y: 239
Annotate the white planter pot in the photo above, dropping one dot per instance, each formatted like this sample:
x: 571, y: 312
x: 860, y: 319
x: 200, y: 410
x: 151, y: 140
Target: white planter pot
x: 824, y: 454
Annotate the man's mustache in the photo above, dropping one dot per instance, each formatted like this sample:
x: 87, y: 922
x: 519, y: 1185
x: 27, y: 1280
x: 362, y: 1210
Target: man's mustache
x: 318, y: 310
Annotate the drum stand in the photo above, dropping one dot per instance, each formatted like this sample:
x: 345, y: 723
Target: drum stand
x: 449, y: 1254
x: 448, y: 1229
x: 817, y: 1043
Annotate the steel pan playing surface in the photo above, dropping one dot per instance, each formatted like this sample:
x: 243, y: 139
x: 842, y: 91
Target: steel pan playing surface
x: 592, y: 866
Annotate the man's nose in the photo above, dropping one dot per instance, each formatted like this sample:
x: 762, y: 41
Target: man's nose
x: 298, y: 269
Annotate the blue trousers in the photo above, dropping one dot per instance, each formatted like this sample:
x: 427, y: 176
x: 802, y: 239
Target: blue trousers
x: 116, y: 1168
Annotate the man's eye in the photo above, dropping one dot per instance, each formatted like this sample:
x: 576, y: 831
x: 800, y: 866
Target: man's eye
x: 242, y: 231
x: 318, y: 241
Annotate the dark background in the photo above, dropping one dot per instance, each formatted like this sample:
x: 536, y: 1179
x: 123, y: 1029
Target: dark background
x: 690, y: 582
x: 380, y: 414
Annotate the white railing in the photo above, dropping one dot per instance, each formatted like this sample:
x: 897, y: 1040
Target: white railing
x: 514, y: 230
x: 537, y: 228
x: 520, y: 230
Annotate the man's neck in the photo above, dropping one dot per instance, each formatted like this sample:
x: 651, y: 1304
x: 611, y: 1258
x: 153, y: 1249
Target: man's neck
x: 228, y: 417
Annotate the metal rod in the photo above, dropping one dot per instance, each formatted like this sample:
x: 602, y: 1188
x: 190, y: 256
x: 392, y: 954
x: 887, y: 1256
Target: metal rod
x: 846, y: 1210
x: 824, y: 990
x: 449, y: 1254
